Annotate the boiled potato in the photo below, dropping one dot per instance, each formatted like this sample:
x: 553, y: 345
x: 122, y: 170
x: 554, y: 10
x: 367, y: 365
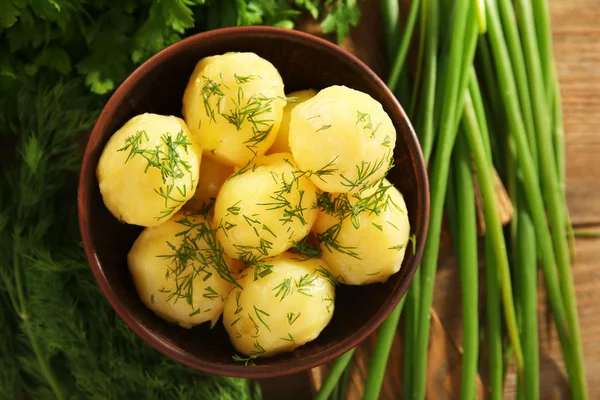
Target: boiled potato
x: 148, y: 169
x: 265, y: 209
x: 344, y: 138
x: 281, y: 144
x: 233, y: 105
x: 212, y: 176
x: 170, y: 282
x: 281, y: 311
x: 363, y: 236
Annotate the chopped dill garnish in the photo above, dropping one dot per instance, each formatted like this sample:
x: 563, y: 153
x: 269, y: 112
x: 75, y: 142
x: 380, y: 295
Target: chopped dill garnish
x: 393, y: 225
x: 325, y: 273
x: 210, y: 293
x: 397, y: 247
x: 364, y: 120
x: 191, y: 260
x: 167, y: 159
x: 209, y: 90
x: 259, y: 314
x: 284, y: 289
x: 238, y: 307
x: 386, y: 141
x: 377, y: 226
x: 348, y: 207
x: 305, y: 249
x: 248, y: 361
x: 152, y: 298
x: 243, y: 79
x: 290, y: 338
x: 194, y: 313
x: 234, y: 209
x: 292, y: 317
x: 259, y: 349
x: 324, y: 127
x: 328, y: 303
x: 364, y: 172
x: 304, y: 285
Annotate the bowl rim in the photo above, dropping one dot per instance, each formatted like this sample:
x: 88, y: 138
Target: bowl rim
x: 259, y: 371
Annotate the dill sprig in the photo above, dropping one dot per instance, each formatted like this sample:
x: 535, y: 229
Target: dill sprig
x: 348, y: 207
x: 60, y: 338
x: 364, y: 121
x: 167, y: 159
x: 292, y: 317
x: 365, y: 172
x: 253, y: 109
x: 198, y: 255
x: 305, y: 249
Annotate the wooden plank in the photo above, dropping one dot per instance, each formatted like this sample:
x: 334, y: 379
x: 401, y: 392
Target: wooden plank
x: 576, y: 35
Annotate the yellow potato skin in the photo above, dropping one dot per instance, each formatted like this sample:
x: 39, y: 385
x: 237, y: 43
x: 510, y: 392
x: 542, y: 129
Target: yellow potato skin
x: 212, y: 176
x: 265, y: 319
x: 224, y: 95
x: 379, y: 242
x: 281, y: 144
x: 128, y: 186
x: 265, y: 210
x: 346, y: 132
x: 155, y: 277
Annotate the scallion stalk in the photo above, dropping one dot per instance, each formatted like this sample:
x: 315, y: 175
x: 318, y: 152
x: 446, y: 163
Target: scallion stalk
x: 553, y: 198
x: 404, y: 44
x: 493, y: 224
x: 494, y: 332
x: 335, y: 372
x: 464, y: 19
x: 526, y: 276
x: 466, y: 242
x: 507, y: 88
x: 380, y: 355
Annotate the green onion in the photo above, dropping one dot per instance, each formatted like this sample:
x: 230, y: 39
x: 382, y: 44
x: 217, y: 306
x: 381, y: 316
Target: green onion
x: 390, y: 13
x: 463, y: 20
x: 552, y: 192
x: 526, y: 275
x: 494, y: 334
x: 466, y: 242
x: 380, y: 355
x: 509, y: 23
x: 426, y: 120
x: 507, y: 88
x: 335, y: 372
x: 492, y: 222
x: 404, y: 44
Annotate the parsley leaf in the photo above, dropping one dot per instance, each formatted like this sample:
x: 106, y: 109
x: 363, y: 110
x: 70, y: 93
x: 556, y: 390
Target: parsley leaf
x: 344, y: 15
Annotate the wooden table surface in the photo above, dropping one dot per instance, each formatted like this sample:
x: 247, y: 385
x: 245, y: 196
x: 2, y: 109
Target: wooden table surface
x: 576, y: 33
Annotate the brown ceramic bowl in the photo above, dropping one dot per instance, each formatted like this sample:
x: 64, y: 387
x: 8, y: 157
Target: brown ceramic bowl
x: 304, y: 61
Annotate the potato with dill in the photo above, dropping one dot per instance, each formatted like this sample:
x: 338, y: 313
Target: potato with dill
x: 281, y: 144
x: 180, y: 271
x: 264, y: 209
x: 282, y: 310
x: 148, y: 169
x: 354, y: 135
x: 363, y: 236
x: 212, y: 176
x: 233, y: 105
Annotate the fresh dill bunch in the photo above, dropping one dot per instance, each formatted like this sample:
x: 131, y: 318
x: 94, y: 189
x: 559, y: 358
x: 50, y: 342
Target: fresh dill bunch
x: 60, y: 338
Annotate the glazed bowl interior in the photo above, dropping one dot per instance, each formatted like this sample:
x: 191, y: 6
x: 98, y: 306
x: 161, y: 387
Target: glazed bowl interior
x: 303, y: 61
